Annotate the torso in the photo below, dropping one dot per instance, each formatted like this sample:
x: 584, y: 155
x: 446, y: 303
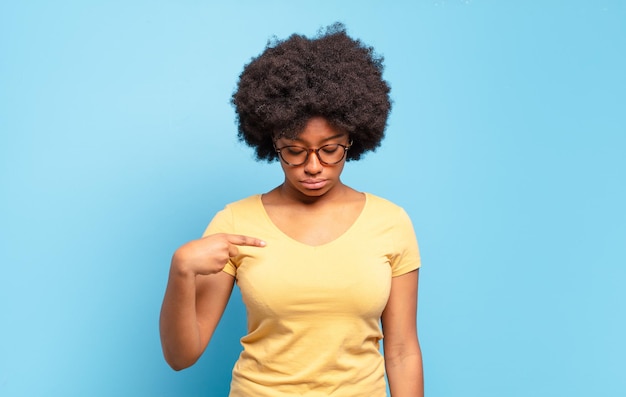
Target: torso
x: 297, y: 295
x: 318, y: 223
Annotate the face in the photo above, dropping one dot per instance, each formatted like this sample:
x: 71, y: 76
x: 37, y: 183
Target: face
x: 314, y: 179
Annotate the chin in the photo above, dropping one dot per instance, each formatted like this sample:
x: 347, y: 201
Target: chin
x: 313, y: 193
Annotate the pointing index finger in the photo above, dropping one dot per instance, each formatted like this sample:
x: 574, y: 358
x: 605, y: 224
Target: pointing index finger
x: 239, y: 239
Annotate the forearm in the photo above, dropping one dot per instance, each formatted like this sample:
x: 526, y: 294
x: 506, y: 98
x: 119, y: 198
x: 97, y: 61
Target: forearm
x: 180, y: 333
x: 405, y: 373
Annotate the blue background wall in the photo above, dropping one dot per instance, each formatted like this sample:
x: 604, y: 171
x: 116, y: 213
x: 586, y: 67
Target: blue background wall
x: 506, y: 146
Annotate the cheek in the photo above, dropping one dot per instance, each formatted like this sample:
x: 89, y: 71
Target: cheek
x: 284, y: 168
x: 339, y: 168
x: 289, y: 172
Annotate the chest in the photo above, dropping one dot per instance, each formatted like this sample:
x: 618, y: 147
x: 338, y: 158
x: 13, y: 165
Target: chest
x: 287, y: 279
x: 315, y: 228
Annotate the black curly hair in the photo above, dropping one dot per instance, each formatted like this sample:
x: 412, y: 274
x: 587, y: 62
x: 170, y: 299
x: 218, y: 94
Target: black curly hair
x: 331, y: 76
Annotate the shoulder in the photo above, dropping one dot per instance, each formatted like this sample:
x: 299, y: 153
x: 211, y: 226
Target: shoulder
x: 233, y: 214
x: 387, y: 214
x: 383, y: 205
x: 250, y: 203
x: 246, y: 211
x: 395, y: 223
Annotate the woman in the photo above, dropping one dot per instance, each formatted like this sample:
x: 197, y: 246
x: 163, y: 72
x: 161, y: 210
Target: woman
x: 320, y: 265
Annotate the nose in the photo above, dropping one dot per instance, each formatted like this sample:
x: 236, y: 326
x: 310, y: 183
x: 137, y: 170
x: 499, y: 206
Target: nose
x: 313, y: 166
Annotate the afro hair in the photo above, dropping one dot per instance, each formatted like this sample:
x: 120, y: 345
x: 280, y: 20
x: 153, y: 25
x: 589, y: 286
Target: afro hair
x: 331, y: 76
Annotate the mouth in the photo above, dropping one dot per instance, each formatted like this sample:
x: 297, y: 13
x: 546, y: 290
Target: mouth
x: 313, y: 184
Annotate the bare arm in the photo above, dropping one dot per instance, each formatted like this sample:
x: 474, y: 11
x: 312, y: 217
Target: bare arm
x: 403, y: 357
x: 196, y: 296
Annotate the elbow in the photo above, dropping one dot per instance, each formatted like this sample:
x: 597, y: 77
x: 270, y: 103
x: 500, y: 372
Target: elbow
x: 177, y: 353
x: 177, y: 366
x: 179, y: 362
x: 397, y: 354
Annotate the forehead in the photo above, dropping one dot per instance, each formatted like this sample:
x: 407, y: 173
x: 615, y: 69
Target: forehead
x: 317, y: 130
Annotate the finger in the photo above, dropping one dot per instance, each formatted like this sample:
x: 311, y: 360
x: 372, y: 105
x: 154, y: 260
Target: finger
x: 232, y: 251
x: 245, y: 240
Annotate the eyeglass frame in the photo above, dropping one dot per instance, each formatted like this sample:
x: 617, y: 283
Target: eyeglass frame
x: 316, y: 151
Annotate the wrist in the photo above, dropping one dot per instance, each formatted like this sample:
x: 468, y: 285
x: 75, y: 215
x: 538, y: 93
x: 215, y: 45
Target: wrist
x: 180, y: 265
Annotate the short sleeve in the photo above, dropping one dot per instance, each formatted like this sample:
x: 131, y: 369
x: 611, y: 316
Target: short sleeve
x: 222, y: 222
x: 407, y: 257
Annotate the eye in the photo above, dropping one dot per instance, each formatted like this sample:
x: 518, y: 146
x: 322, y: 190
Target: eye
x: 294, y: 150
x: 329, y: 149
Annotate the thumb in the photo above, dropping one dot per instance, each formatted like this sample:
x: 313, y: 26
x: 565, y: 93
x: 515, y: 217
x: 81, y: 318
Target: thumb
x: 232, y: 250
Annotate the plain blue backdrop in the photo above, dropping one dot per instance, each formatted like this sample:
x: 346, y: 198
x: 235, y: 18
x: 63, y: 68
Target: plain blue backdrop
x: 506, y: 146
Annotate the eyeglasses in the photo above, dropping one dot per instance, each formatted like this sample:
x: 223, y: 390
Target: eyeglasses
x: 327, y: 154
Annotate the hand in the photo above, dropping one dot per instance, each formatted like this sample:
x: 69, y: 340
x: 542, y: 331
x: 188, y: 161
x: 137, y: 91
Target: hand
x: 210, y: 254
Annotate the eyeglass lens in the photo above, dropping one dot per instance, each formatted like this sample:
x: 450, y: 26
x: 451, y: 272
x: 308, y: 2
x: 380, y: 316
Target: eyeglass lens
x: 297, y: 155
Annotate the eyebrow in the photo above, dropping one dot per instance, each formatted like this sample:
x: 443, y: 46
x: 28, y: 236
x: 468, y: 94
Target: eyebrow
x: 340, y: 135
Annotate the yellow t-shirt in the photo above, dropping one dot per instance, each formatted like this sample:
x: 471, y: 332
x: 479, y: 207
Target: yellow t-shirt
x: 314, y: 311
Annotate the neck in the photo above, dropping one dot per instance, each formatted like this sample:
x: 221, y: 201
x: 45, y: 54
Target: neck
x: 293, y: 196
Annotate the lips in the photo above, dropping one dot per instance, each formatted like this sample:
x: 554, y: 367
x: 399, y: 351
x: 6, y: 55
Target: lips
x: 313, y: 184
